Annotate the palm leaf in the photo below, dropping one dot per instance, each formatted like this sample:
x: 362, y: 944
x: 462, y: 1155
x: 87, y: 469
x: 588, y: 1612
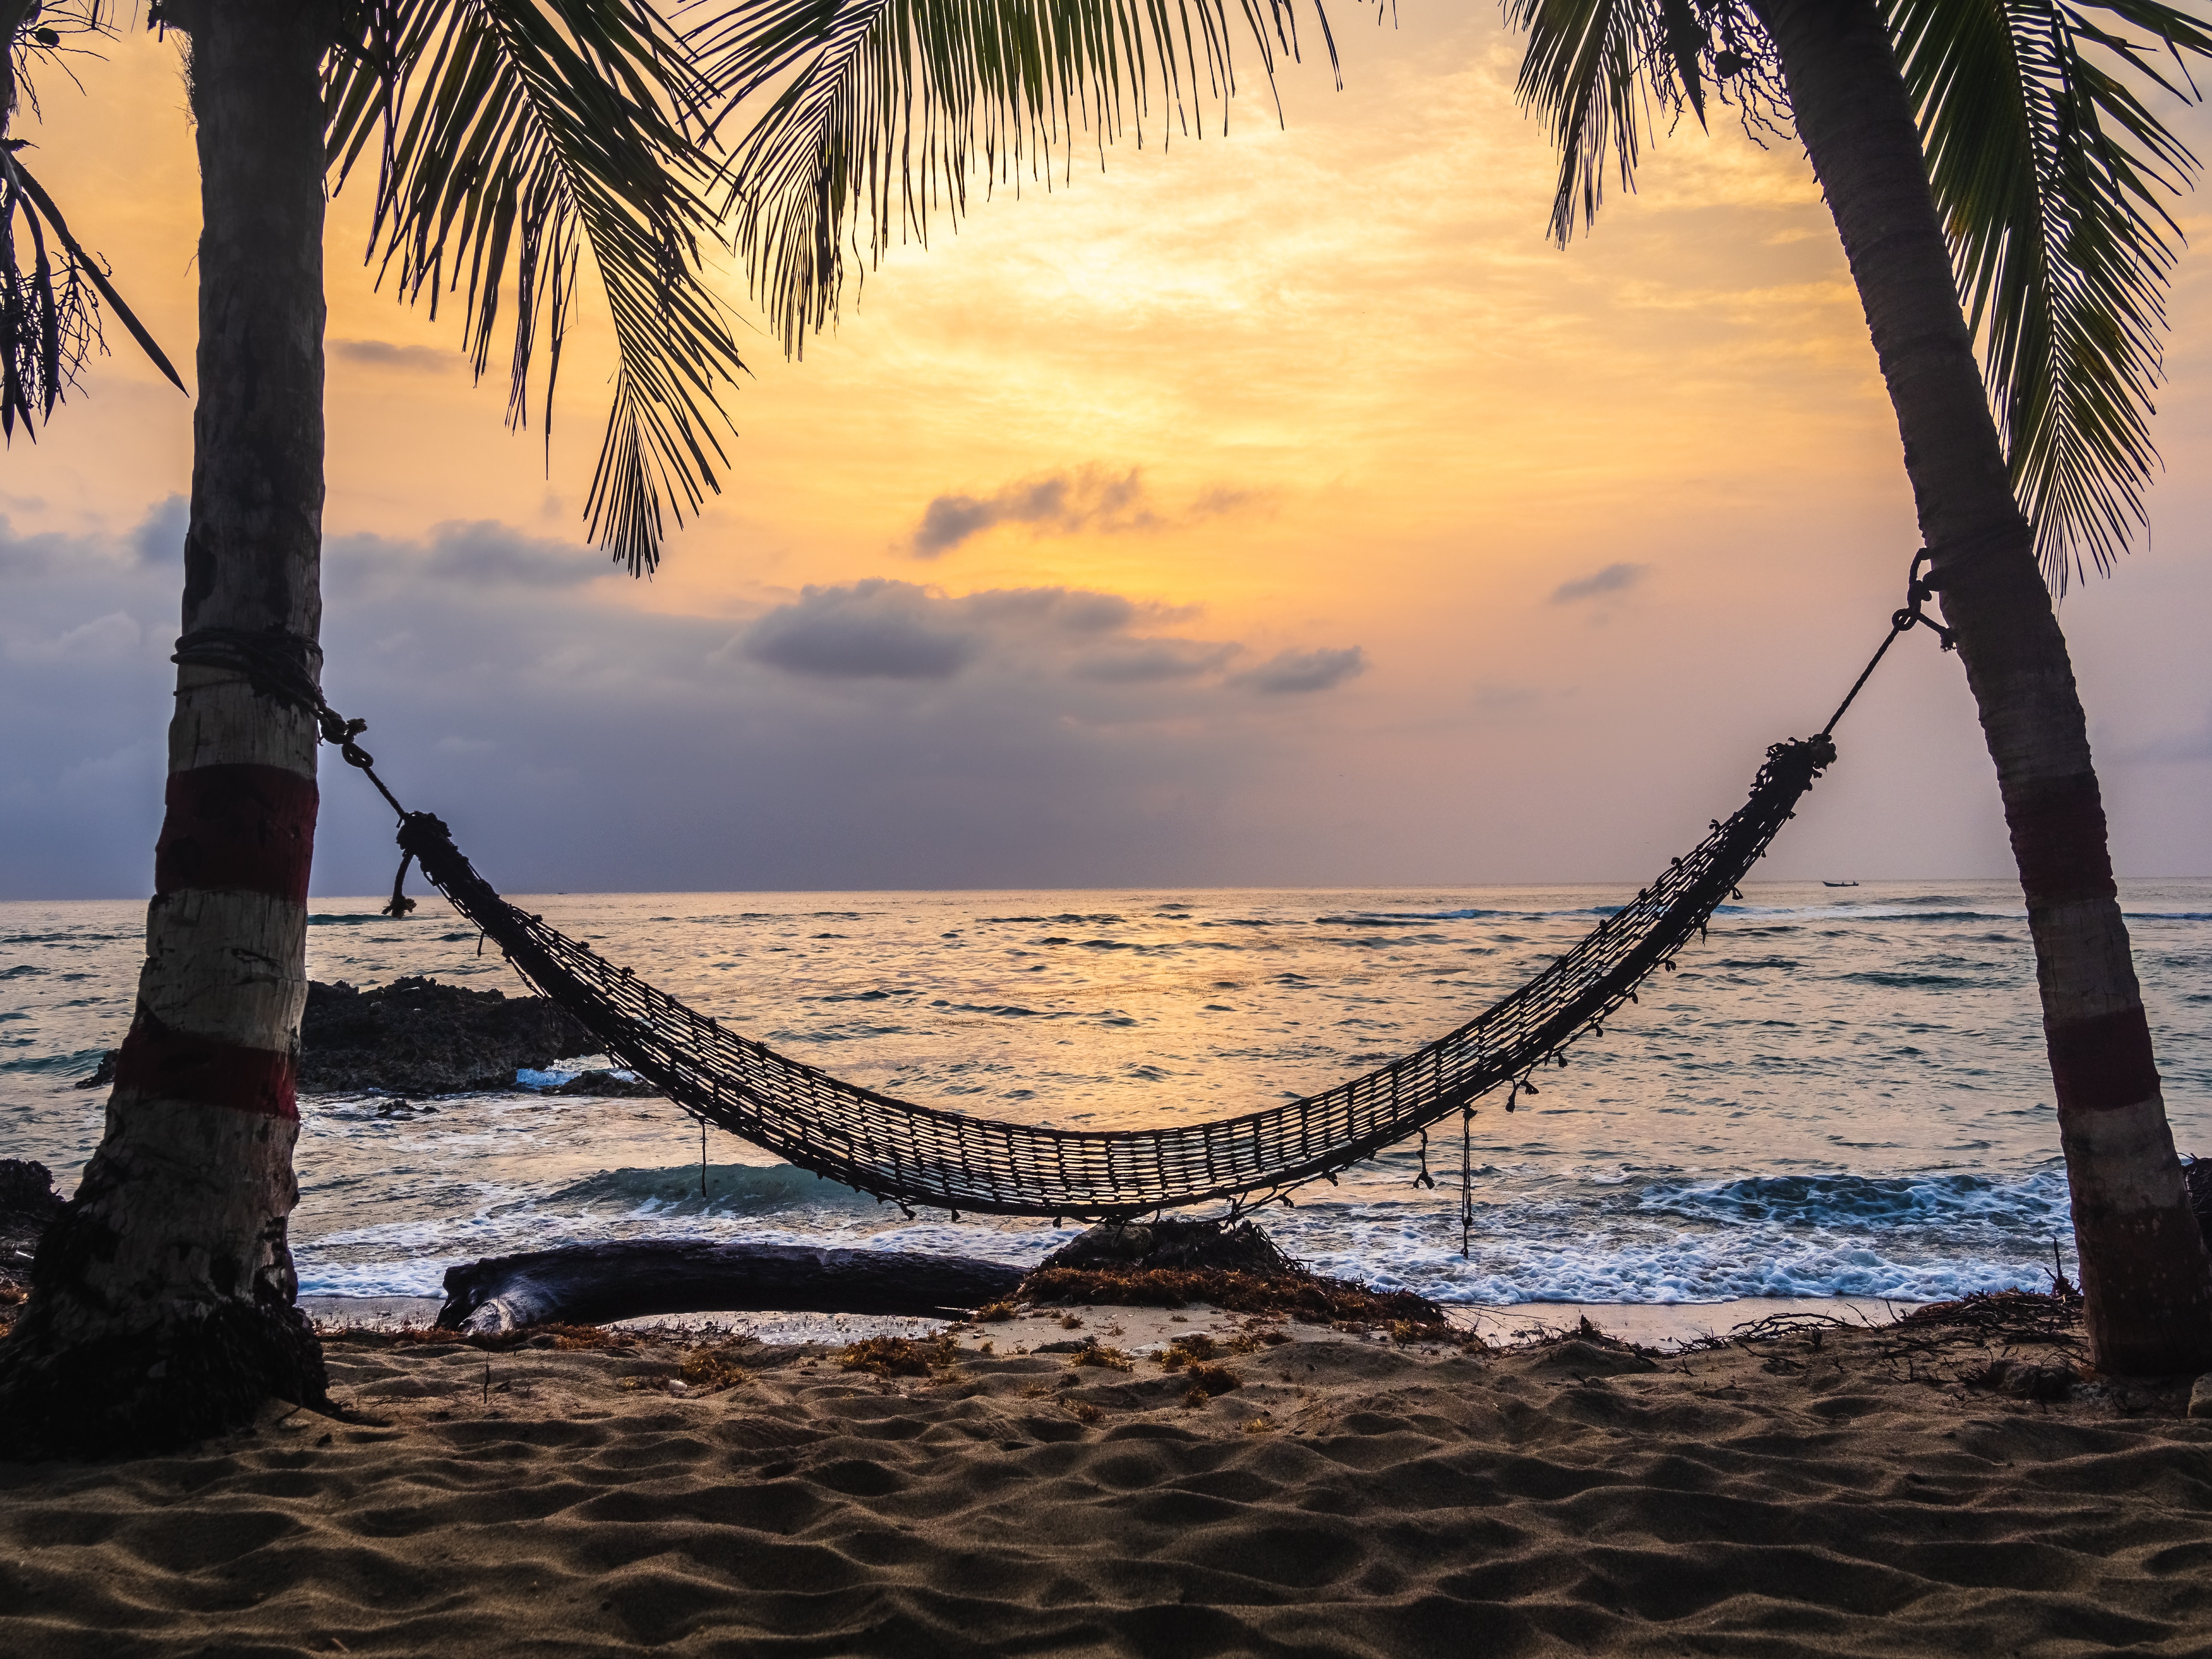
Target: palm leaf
x: 49, y: 318
x: 512, y: 137
x: 2052, y: 177
x: 880, y: 112
x: 1582, y: 73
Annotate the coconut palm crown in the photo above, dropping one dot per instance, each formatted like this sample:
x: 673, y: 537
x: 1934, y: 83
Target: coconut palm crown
x: 521, y: 147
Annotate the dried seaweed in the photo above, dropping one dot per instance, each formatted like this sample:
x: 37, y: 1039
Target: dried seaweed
x: 1303, y: 1296
x: 900, y: 1356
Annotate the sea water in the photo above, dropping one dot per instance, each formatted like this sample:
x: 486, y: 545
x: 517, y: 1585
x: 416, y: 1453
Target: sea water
x: 1842, y: 1091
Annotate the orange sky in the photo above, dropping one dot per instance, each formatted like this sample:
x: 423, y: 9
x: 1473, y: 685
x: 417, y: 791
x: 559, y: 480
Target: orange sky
x: 1364, y: 405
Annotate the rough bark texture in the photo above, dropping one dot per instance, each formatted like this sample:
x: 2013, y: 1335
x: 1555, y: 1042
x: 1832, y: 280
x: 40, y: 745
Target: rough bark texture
x: 161, y: 1305
x: 2143, y: 1265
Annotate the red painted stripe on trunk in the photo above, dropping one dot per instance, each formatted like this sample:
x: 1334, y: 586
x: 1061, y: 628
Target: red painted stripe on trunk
x: 237, y: 828
x: 2102, y: 1063
x: 2058, y: 839
x: 168, y: 1065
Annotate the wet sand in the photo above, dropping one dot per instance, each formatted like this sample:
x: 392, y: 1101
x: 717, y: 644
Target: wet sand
x: 1833, y: 1491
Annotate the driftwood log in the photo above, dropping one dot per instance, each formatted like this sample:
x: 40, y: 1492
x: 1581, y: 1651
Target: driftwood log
x: 593, y: 1284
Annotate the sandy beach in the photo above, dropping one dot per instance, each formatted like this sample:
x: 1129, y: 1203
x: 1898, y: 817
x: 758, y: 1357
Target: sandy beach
x: 1817, y: 1488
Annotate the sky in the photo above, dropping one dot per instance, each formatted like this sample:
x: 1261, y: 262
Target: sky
x: 1277, y: 507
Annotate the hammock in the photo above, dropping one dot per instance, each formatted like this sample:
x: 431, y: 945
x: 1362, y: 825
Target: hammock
x: 898, y: 1151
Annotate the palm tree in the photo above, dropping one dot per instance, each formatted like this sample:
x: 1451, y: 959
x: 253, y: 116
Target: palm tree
x: 512, y: 137
x: 1995, y: 173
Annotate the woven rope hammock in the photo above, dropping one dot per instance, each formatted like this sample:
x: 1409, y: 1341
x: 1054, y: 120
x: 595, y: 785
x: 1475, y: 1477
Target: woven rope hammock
x: 906, y: 1153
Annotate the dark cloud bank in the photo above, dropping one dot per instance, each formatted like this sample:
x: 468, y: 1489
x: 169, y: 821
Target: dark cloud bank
x: 876, y: 734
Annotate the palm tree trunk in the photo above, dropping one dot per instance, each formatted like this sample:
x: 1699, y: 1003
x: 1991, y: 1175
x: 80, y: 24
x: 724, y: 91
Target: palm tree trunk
x: 162, y: 1300
x: 2143, y: 1266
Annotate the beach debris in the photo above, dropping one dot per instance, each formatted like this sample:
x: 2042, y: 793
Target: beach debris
x: 1207, y: 1380
x: 630, y: 1279
x: 1293, y: 1295
x: 28, y: 1203
x: 901, y: 1356
x: 713, y: 1369
x: 27, y: 1193
x: 2020, y: 1381
x: 1120, y: 1247
x: 2197, y: 1176
x: 1097, y: 1353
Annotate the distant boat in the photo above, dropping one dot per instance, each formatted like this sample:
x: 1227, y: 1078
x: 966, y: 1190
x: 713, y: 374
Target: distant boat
x: 1839, y: 884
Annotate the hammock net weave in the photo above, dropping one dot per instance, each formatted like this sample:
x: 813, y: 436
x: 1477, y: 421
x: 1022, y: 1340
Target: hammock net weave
x: 901, y: 1152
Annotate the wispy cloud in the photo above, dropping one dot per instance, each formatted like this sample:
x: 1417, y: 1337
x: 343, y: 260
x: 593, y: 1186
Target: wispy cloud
x: 1613, y: 579
x: 1289, y: 672
x: 383, y: 354
x: 1065, y: 502
x: 1090, y: 498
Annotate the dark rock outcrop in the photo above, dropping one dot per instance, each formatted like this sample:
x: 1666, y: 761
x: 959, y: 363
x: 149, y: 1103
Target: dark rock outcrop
x: 603, y: 1085
x: 2196, y: 1174
x: 416, y: 1037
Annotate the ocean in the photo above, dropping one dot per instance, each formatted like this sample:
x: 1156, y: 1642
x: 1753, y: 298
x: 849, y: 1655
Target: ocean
x: 1841, y: 1092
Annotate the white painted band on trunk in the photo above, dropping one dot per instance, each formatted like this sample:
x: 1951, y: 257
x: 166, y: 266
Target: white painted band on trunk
x: 221, y: 721
x: 226, y: 965
x: 2121, y: 1160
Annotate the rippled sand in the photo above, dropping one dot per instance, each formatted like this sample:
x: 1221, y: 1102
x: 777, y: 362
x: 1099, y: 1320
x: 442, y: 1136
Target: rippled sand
x: 1348, y: 1498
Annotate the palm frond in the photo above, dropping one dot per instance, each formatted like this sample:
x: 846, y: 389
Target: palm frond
x: 513, y: 137
x: 50, y: 296
x: 880, y: 112
x: 49, y: 303
x: 1582, y: 73
x: 2053, y: 176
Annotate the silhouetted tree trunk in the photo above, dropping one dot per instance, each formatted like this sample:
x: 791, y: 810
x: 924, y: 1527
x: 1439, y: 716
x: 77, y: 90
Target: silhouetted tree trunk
x: 2143, y: 1264
x: 162, y: 1300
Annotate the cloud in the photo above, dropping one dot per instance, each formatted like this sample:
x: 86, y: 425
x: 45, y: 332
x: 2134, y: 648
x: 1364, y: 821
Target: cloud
x: 864, y: 734
x: 1129, y: 662
x: 1293, y: 672
x: 1613, y: 579
x: 484, y: 552
x: 159, y: 538
x: 1062, y: 503
x: 874, y: 630
x: 885, y: 629
x: 383, y: 354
